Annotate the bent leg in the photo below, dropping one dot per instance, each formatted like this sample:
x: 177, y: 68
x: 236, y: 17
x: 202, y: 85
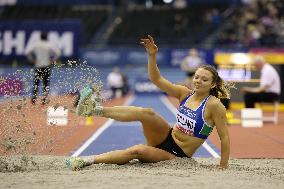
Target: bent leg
x: 268, y: 97
x: 251, y: 99
x: 155, y: 128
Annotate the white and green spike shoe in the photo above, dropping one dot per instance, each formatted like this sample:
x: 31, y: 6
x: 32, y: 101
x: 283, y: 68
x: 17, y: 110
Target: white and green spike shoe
x: 76, y: 163
x: 89, y: 99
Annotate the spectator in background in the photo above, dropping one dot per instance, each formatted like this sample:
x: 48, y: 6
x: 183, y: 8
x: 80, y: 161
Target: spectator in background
x: 179, y: 25
x: 116, y: 82
x: 190, y: 64
x: 125, y: 88
x: 180, y: 4
x: 42, y: 53
x: 256, y: 23
x: 213, y: 17
x: 269, y: 89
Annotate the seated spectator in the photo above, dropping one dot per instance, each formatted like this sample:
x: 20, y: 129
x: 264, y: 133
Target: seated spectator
x: 269, y: 88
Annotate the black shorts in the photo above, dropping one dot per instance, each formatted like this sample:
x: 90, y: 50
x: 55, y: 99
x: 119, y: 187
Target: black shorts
x: 170, y: 146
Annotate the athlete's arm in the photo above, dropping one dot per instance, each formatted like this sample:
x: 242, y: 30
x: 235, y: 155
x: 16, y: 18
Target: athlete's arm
x: 171, y: 89
x: 219, y: 118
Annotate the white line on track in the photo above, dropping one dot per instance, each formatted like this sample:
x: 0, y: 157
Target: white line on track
x: 100, y: 131
x: 172, y: 108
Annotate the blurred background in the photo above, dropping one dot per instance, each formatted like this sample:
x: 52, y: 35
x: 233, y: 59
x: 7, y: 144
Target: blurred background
x: 98, y: 42
x: 106, y: 33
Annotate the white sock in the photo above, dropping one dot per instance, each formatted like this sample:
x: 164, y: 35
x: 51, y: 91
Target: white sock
x: 98, y: 110
x: 89, y: 160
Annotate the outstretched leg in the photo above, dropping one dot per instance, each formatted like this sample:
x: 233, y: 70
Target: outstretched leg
x: 155, y: 128
x: 143, y: 153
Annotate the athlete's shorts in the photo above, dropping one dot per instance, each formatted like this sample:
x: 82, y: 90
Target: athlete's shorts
x: 170, y: 146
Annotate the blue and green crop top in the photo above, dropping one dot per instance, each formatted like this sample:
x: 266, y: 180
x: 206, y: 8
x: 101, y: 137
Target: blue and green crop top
x: 192, y: 122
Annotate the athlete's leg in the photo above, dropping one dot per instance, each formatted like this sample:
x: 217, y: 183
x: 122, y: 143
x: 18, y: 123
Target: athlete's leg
x: 143, y: 153
x: 155, y: 128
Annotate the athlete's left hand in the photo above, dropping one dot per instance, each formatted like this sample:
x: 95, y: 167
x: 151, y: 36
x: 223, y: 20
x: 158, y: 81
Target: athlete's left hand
x: 149, y: 45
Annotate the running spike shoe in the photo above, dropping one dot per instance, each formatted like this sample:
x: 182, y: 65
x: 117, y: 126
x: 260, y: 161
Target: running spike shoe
x: 75, y: 163
x: 89, y: 99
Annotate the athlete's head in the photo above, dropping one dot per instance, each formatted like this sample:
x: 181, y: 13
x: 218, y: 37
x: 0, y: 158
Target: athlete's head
x: 206, y: 78
x: 193, y: 52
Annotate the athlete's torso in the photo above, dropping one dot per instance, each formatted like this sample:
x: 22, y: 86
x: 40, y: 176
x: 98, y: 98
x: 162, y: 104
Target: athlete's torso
x: 191, y: 128
x: 191, y: 121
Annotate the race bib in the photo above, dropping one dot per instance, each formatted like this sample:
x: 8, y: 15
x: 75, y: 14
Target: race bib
x: 185, y: 124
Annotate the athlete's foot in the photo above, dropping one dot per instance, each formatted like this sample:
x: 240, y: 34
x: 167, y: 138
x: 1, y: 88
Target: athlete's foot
x: 89, y: 99
x: 76, y: 163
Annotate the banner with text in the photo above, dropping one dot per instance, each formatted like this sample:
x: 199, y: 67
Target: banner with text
x: 17, y: 37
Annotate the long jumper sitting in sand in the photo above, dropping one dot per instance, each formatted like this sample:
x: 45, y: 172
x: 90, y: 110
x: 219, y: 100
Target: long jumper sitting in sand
x: 199, y: 111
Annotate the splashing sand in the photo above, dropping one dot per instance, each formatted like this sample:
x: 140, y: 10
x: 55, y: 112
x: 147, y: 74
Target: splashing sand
x: 23, y: 125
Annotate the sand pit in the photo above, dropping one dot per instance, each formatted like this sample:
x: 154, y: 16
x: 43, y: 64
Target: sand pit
x: 50, y: 172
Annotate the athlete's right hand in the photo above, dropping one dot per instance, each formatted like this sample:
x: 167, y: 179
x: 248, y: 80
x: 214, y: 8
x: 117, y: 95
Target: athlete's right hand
x: 149, y: 45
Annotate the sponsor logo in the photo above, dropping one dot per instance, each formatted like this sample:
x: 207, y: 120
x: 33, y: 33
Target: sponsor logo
x: 174, y: 152
x: 20, y: 41
x: 185, y: 131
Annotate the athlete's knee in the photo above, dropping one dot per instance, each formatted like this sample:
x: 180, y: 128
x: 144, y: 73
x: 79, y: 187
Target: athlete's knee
x: 148, y: 111
x: 144, y: 113
x: 137, y: 150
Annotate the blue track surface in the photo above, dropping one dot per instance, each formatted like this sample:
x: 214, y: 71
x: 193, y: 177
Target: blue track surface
x: 122, y: 135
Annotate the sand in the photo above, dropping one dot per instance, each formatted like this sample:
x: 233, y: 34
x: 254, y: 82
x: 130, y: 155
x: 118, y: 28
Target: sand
x: 50, y: 172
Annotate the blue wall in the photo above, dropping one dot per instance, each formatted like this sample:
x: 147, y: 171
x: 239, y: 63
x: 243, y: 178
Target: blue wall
x: 137, y: 56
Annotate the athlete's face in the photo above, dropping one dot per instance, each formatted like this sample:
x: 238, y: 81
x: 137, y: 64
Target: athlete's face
x: 203, y: 80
